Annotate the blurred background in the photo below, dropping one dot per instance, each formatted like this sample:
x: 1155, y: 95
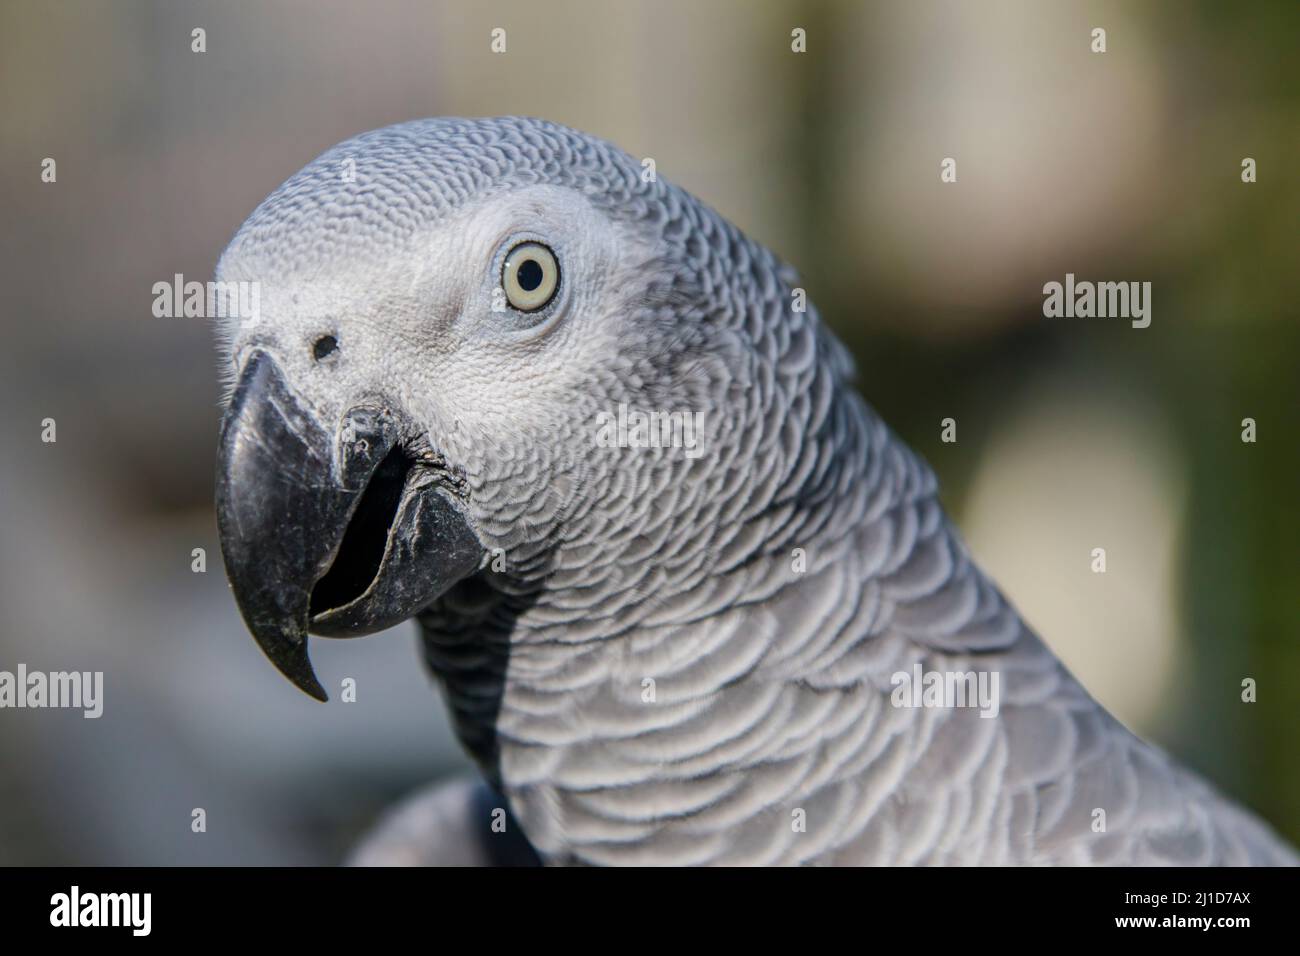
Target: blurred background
x: 1072, y: 433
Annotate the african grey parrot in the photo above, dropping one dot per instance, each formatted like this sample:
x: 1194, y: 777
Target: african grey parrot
x: 657, y: 652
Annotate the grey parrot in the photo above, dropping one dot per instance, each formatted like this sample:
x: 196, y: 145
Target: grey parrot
x: 470, y: 396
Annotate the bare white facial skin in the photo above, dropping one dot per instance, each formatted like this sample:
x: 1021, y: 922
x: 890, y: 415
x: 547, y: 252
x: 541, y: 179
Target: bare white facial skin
x: 425, y: 323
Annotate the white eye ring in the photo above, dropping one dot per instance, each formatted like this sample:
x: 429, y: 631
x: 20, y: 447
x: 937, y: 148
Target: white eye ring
x: 530, y: 276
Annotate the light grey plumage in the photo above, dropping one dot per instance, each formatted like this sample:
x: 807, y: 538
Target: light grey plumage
x: 458, y: 822
x: 772, y: 687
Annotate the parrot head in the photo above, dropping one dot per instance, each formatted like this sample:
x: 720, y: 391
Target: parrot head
x: 445, y: 308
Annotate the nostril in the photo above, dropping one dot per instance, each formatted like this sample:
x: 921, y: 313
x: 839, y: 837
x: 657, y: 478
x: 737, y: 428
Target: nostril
x: 324, y: 346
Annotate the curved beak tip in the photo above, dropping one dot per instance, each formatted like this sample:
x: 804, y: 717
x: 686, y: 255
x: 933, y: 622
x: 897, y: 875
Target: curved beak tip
x: 286, y: 648
x: 307, y: 511
x: 294, y: 664
x: 309, y: 685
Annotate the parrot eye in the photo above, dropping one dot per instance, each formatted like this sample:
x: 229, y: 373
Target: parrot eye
x: 530, y: 276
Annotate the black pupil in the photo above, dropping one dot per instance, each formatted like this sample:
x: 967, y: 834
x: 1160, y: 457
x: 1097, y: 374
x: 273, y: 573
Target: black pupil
x: 529, y: 274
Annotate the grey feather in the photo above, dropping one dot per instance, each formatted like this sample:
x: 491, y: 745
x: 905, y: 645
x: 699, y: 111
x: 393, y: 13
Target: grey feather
x: 460, y: 822
x: 772, y: 686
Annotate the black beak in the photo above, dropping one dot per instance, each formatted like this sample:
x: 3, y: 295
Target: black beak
x: 333, y: 530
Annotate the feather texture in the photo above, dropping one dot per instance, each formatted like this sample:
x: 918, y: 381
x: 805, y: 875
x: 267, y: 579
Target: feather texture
x: 766, y: 591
